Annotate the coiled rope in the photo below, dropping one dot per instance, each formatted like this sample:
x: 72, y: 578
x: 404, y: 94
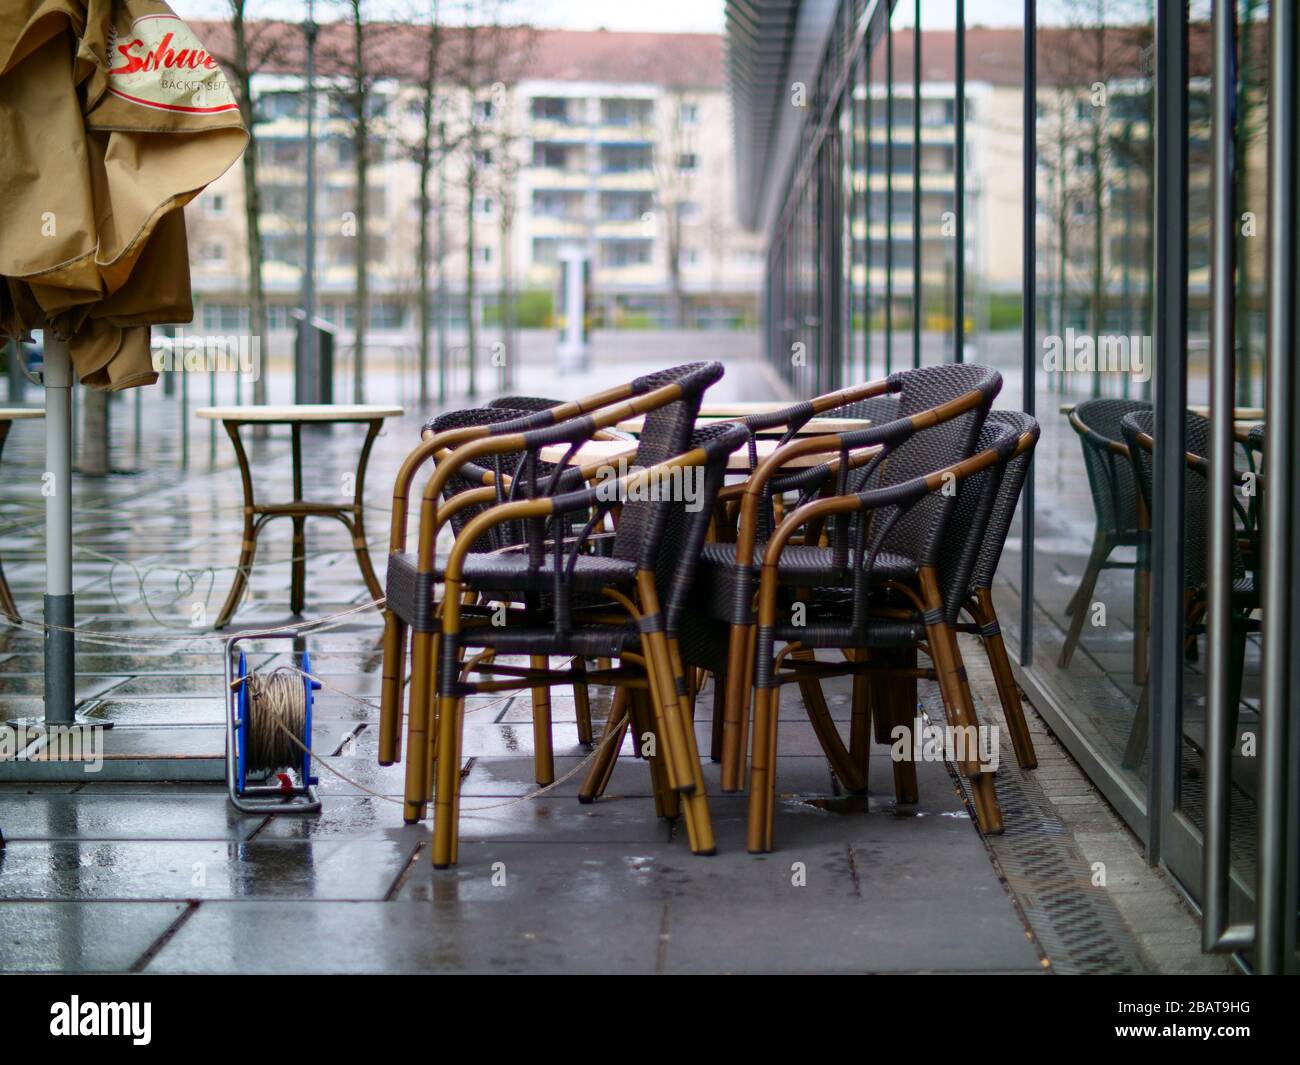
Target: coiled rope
x: 277, y: 717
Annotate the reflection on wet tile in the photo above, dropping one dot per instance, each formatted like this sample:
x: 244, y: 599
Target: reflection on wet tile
x: 47, y: 937
x: 140, y: 816
x: 364, y: 937
x: 319, y: 869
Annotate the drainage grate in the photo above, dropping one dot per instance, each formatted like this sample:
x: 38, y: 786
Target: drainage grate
x: 1077, y: 926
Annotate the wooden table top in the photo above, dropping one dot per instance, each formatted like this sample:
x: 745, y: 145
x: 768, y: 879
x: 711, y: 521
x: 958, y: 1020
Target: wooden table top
x: 611, y: 451
x: 300, y: 412
x: 815, y: 426
x: 18, y: 414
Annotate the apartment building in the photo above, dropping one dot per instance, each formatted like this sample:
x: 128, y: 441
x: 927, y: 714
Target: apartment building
x: 615, y: 144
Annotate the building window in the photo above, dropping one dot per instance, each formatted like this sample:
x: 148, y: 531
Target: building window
x: 624, y: 205
x: 484, y: 207
x: 212, y: 253
x: 483, y: 158
x: 688, y: 115
x: 556, y: 203
x: 277, y: 316
x: 545, y: 251
x: 273, y: 105
x: 625, y: 112
x: 483, y: 253
x: 483, y: 111
x: 687, y: 162
x: 551, y: 156
x: 624, y: 252
x: 689, y: 212
x: 625, y: 158
x: 550, y: 109
x: 224, y: 318
x: 214, y: 204
x: 386, y: 315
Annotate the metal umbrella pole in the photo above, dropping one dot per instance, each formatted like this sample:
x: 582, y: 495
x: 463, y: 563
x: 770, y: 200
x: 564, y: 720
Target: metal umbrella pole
x: 60, y: 655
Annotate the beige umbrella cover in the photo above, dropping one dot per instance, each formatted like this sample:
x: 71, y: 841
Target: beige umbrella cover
x: 112, y: 117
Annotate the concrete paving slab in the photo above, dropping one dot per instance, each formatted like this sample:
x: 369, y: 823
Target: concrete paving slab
x: 166, y: 869
x: 88, y: 937
x: 552, y: 936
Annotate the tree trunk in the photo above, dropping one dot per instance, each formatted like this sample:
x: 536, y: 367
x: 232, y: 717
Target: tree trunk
x: 252, y: 206
x: 471, y: 332
x: 507, y: 303
x: 362, y: 159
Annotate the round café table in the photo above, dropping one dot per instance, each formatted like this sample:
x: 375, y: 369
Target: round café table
x: 298, y: 509
x: 9, y: 415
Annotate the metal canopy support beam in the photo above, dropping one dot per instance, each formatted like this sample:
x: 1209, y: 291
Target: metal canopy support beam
x: 1216, y: 934
x: 1280, y: 698
x: 60, y: 664
x: 959, y: 174
x: 916, y: 186
x: 1170, y: 343
x: 1028, y: 325
x: 889, y: 191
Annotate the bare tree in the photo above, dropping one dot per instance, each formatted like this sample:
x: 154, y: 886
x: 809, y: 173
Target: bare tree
x: 488, y: 55
x: 674, y: 173
x: 353, y: 58
x: 424, y: 159
x: 254, y: 46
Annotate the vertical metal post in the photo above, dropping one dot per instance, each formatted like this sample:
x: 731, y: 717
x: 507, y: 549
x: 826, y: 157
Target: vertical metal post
x: 1028, y: 323
x: 959, y: 192
x: 308, y: 388
x: 60, y: 661
x: 1166, y: 679
x: 1220, y: 693
x: 868, y: 115
x: 916, y: 186
x: 1274, y: 951
x: 184, y: 419
x: 889, y: 191
x: 442, y: 263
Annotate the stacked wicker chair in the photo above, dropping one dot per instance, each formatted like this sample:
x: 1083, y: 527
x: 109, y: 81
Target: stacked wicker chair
x: 896, y: 533
x: 1122, y: 518
x: 1139, y: 435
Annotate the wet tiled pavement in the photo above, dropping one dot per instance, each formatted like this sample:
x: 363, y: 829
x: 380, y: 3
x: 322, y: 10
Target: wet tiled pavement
x: 111, y: 875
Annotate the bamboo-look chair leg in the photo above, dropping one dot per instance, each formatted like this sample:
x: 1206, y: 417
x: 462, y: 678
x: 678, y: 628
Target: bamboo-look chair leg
x: 581, y: 699
x: 391, y: 691
x: 719, y: 713
x: 1008, y: 692
x: 675, y: 731
x: 419, y: 730
x: 762, y: 771
x: 697, y: 800
x: 543, y: 750
x: 602, y: 766
x: 735, y: 721
x: 446, y: 798
x: 960, y: 714
x: 959, y: 706
x: 847, y: 770
x: 860, y: 719
x: 1081, y: 603
x: 898, y: 707
x: 667, y: 801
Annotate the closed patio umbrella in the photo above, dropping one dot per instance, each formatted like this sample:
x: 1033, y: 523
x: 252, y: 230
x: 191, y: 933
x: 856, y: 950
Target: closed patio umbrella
x: 112, y: 117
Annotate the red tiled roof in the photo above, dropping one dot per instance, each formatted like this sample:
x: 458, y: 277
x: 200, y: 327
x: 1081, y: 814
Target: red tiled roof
x: 689, y: 60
